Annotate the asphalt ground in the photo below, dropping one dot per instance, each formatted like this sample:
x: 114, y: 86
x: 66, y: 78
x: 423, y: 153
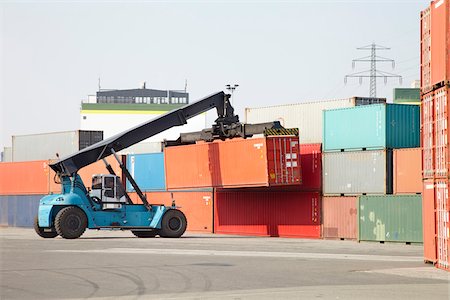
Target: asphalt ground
x: 117, y: 265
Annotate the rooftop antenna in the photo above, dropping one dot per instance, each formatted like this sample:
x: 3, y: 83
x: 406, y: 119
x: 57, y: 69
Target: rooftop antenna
x: 99, y: 86
x: 185, y: 85
x: 373, y: 73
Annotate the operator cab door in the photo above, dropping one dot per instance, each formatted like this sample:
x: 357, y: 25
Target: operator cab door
x: 107, y: 189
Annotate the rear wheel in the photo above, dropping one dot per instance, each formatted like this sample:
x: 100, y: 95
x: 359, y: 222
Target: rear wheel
x: 70, y: 222
x: 173, y: 224
x: 145, y: 234
x: 46, y: 233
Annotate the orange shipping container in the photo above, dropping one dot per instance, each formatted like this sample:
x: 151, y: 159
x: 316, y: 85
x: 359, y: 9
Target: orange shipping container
x: 196, y: 205
x: 407, y: 171
x: 271, y: 161
x: 24, y: 178
x: 429, y: 221
x: 340, y: 217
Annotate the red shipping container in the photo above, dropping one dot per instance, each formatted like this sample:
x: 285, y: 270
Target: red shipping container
x: 435, y: 44
x: 428, y: 135
x: 271, y: 161
x: 340, y: 217
x: 311, y: 167
x: 407, y: 171
x: 195, y: 204
x: 429, y: 221
x: 24, y: 178
x: 441, y: 115
x: 442, y: 224
x: 267, y: 213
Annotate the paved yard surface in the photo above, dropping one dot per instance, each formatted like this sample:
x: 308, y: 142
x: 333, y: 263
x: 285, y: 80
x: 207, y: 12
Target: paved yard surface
x: 116, y: 265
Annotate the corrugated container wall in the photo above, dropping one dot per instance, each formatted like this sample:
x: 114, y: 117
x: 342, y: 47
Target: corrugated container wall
x: 267, y: 213
x: 442, y: 224
x: 307, y: 117
x: 147, y: 170
x: 19, y: 211
x: 425, y: 50
x: 390, y: 218
x: 428, y: 135
x: 407, y: 171
x: 197, y: 205
x: 429, y: 221
x: 340, y: 217
x: 46, y: 145
x: 24, y: 178
x: 267, y: 161
x: 441, y: 133
x: 311, y: 162
x: 357, y: 172
x: 372, y: 127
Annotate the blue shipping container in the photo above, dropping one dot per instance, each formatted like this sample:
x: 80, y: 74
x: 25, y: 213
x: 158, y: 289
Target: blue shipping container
x: 147, y: 170
x: 18, y: 210
x: 375, y: 126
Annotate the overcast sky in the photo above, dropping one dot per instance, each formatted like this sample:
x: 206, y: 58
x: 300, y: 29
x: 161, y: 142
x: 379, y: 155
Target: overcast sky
x: 52, y: 53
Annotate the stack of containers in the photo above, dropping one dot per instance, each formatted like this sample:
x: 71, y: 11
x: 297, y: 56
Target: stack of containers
x: 435, y: 76
x: 358, y: 173
x: 23, y: 184
x: 255, y: 181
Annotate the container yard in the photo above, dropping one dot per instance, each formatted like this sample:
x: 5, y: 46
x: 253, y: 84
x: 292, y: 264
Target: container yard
x: 250, y: 192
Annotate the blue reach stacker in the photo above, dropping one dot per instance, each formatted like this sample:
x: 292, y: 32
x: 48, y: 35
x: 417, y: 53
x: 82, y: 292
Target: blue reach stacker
x: 107, y: 205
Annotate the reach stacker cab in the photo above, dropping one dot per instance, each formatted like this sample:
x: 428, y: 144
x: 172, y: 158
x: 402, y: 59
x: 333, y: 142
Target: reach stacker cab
x: 107, y: 205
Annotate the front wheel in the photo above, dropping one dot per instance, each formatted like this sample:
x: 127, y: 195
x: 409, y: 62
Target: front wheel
x: 70, y: 222
x: 173, y: 224
x: 46, y: 233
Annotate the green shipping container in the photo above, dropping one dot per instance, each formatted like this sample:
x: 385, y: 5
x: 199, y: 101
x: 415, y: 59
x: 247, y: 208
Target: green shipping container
x: 376, y: 126
x: 390, y: 218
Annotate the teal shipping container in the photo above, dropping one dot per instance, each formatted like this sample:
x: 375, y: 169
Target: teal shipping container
x: 148, y: 171
x: 376, y: 126
x: 390, y: 218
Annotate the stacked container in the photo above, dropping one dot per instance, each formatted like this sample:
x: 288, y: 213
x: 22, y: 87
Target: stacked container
x: 435, y: 76
x: 360, y: 147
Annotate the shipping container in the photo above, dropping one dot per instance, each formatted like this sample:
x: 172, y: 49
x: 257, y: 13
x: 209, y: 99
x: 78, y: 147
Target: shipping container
x: 442, y: 224
x: 47, y: 145
x: 371, y: 127
x: 197, y: 205
x: 425, y: 51
x: 407, y: 171
x: 19, y: 210
x: 311, y: 167
x: 267, y: 213
x: 428, y: 135
x: 441, y: 133
x: 357, y: 172
x: 340, y: 217
x: 307, y: 117
x: 24, y: 178
x: 147, y: 170
x: 390, y: 218
x: 267, y: 161
x: 429, y: 221
x: 7, y: 154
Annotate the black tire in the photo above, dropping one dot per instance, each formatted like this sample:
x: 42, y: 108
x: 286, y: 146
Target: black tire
x: 145, y: 234
x: 44, y: 234
x: 70, y: 222
x: 173, y: 224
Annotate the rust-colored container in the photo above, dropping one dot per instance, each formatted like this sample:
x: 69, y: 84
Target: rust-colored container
x: 442, y: 224
x: 407, y: 171
x: 429, y: 221
x: 271, y: 161
x: 311, y: 167
x: 195, y: 204
x: 435, y: 45
x: 427, y: 135
x: 267, y: 213
x: 24, y: 178
x: 441, y: 133
x: 340, y: 217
